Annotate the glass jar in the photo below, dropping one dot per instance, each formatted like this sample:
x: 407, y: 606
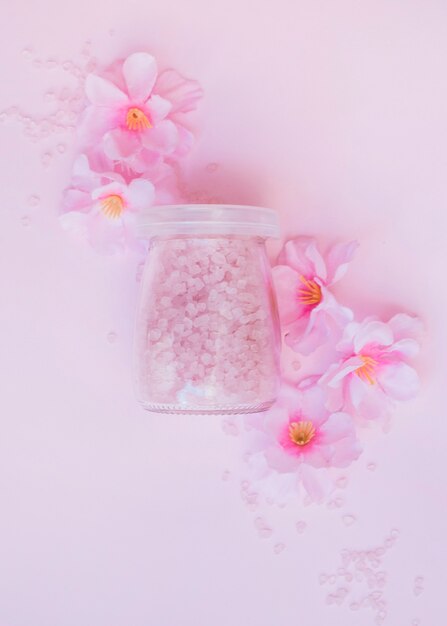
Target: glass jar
x: 207, y: 332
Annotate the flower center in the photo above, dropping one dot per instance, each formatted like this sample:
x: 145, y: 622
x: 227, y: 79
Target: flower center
x: 301, y: 433
x: 366, y: 371
x: 137, y: 120
x: 310, y: 292
x: 112, y: 206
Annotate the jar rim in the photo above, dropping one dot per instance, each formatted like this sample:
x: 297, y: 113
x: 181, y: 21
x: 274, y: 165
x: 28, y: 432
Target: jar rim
x: 210, y: 219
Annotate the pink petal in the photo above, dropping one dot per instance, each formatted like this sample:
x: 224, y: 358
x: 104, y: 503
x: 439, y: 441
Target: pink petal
x: 185, y: 142
x: 336, y: 398
x: 100, y: 164
x: 316, y: 488
x: 341, y: 315
x: 337, y: 426
x: 345, y: 452
x: 406, y: 348
x: 162, y: 138
x: 305, y: 336
x: 158, y: 108
x: 92, y: 125
x: 337, y: 260
x: 317, y: 260
x: 81, y: 167
x: 325, y: 323
x: 289, y: 397
x: 131, y: 240
x: 302, y: 255
x: 334, y: 376
x: 369, y: 400
x: 102, y: 92
x: 76, y: 200
x: 105, y: 235
x: 278, y: 459
x: 83, y: 177
x: 399, y: 381
x: 302, y: 340
x: 312, y: 402
x: 404, y: 326
x: 286, y: 282
x: 181, y: 92
x: 372, y: 333
x: 346, y: 343
x: 119, y: 144
x: 275, y: 421
x: 139, y: 194
x: 140, y: 73
x: 113, y: 188
x: 315, y: 455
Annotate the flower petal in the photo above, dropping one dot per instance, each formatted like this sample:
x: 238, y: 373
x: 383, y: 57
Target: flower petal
x: 184, y: 143
x: 372, y: 333
x: 369, y: 401
x: 162, y: 138
x: 304, y: 337
x: 324, y: 322
x: 399, y: 381
x: 139, y: 194
x: 345, y: 452
x: 92, y: 125
x: 105, y: 235
x: 303, y: 256
x: 102, y: 92
x: 337, y: 426
x: 404, y: 326
x: 337, y: 260
x: 313, y: 482
x: 158, y: 108
x: 278, y: 459
x: 407, y: 348
x: 337, y: 372
x: 287, y: 282
x: 113, y: 188
x: 315, y: 455
x: 140, y: 73
x: 312, y: 402
x: 76, y: 200
x: 183, y: 93
x: 120, y: 144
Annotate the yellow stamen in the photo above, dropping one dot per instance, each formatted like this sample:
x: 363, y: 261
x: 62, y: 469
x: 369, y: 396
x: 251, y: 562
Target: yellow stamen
x: 366, y: 371
x: 301, y: 433
x: 137, y: 120
x: 310, y: 293
x: 112, y: 206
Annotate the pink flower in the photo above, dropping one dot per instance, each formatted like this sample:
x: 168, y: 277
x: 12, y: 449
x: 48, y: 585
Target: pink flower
x: 102, y: 206
x: 309, y: 312
x: 300, y: 430
x: 133, y: 121
x: 373, y: 370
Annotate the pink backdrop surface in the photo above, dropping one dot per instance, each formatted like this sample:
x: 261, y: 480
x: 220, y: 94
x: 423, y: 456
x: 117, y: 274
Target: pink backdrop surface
x: 332, y: 112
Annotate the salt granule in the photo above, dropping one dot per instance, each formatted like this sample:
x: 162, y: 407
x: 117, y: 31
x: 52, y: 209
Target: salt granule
x: 206, y: 329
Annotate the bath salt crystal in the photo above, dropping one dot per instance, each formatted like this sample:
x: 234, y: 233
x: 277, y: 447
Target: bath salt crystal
x: 155, y: 334
x: 218, y: 258
x: 206, y: 325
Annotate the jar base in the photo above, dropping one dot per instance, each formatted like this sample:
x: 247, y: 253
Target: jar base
x: 175, y: 409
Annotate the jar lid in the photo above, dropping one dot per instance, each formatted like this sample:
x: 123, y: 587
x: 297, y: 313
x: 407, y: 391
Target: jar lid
x: 208, y: 219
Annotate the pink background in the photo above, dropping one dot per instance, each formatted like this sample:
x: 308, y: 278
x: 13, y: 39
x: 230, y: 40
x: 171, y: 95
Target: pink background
x: 334, y: 113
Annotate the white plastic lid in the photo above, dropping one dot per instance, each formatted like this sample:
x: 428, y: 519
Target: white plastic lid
x: 208, y: 219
